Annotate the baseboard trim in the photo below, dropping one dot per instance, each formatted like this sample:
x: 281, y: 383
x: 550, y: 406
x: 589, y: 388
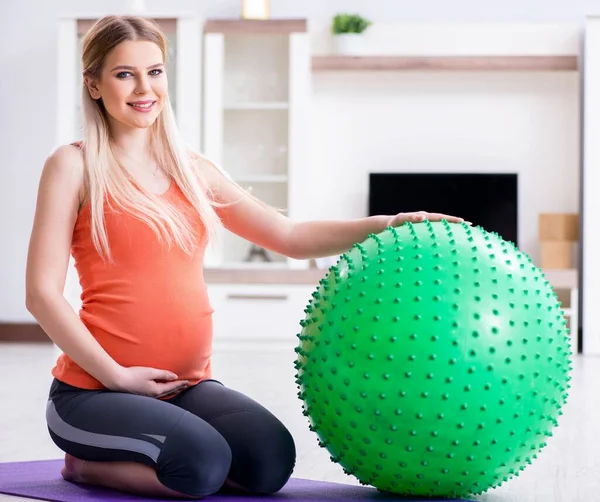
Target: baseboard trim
x: 28, y: 332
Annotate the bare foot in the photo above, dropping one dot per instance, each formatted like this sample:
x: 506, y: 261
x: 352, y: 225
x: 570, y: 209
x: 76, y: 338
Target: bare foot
x: 73, y: 469
x: 123, y: 476
x: 232, y: 486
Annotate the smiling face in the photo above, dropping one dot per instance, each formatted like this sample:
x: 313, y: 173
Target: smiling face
x: 133, y: 84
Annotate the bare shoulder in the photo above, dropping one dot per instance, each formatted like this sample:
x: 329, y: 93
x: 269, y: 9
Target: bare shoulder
x: 200, y: 163
x: 209, y: 172
x: 67, y: 160
x: 55, y: 217
x: 64, y: 166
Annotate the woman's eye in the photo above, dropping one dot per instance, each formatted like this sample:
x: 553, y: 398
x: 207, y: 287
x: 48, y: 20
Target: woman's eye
x: 125, y: 74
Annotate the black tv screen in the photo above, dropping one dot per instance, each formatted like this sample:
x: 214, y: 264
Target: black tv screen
x: 488, y: 200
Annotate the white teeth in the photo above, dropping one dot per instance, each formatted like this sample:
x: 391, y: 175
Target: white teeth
x: 142, y: 106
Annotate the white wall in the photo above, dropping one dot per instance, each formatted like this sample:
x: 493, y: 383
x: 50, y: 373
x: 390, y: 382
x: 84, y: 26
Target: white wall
x: 532, y: 119
x: 591, y: 203
x: 427, y: 11
x: 526, y: 123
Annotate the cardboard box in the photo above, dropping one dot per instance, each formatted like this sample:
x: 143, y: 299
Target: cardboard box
x: 556, y: 254
x: 558, y: 227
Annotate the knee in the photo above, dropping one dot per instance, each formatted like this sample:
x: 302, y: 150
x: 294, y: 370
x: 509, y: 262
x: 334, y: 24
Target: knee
x: 207, y: 472
x: 266, y: 462
x: 195, y: 458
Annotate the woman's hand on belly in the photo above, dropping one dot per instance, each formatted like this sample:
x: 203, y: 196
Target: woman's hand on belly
x: 146, y: 381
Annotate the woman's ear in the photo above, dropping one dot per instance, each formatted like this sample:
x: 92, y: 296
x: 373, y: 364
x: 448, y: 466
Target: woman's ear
x: 92, y: 87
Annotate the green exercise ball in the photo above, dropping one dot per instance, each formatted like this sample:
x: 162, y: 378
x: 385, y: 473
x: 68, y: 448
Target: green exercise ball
x: 434, y: 360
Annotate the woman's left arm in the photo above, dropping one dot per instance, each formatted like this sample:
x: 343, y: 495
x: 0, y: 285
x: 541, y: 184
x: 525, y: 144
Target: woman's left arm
x: 316, y: 239
x: 261, y: 224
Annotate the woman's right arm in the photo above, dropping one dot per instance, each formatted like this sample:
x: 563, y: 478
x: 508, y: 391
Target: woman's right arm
x: 58, y: 202
x: 56, y: 211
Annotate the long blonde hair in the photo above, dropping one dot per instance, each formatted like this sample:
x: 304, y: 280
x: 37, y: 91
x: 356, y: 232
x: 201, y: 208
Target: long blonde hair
x: 104, y: 176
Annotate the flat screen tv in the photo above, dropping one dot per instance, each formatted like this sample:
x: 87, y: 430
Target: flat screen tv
x: 485, y: 199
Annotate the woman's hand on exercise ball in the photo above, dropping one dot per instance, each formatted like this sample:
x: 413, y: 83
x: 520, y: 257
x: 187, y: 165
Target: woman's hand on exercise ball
x: 420, y: 216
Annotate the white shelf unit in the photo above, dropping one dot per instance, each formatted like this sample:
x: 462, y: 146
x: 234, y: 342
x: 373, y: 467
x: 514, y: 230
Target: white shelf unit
x: 256, y: 96
x: 566, y: 285
x: 258, y: 106
x: 254, y: 313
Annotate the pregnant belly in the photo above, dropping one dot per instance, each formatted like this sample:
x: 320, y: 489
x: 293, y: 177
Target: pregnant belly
x: 178, y: 343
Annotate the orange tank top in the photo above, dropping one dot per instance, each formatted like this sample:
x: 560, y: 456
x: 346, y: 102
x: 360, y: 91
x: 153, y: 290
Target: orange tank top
x: 150, y: 307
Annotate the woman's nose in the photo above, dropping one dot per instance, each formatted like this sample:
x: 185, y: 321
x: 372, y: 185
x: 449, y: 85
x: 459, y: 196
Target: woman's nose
x: 142, y: 85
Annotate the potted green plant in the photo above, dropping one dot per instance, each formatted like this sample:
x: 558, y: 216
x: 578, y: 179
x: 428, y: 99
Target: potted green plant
x: 347, y: 30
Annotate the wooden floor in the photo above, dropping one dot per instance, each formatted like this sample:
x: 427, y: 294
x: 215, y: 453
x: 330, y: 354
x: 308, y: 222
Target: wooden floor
x: 568, y: 470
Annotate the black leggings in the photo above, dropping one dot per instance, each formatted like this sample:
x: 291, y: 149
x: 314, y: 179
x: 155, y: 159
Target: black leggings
x: 195, y: 441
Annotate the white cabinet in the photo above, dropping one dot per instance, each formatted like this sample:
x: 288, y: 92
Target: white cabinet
x: 566, y: 285
x: 258, y: 312
x: 256, y: 98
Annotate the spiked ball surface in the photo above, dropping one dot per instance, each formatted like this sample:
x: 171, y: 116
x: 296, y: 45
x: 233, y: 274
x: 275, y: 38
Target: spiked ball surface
x: 434, y: 360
